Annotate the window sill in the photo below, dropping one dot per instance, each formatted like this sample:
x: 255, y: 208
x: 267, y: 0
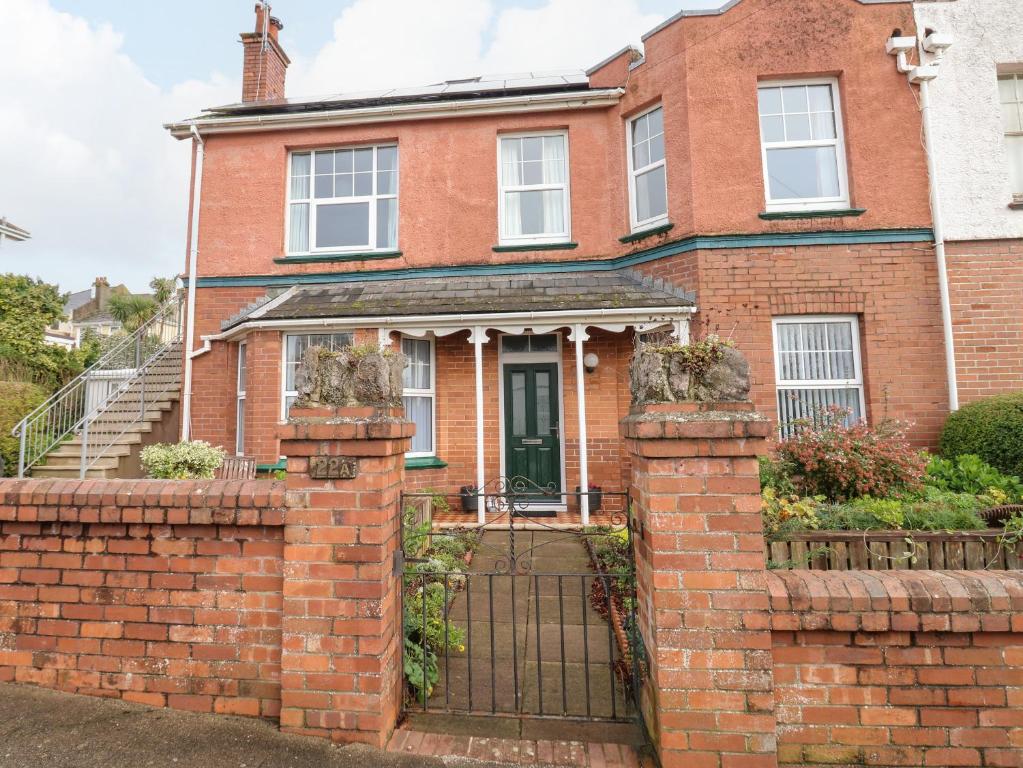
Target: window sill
x: 535, y: 247
x: 282, y: 464
x: 644, y: 233
x: 321, y: 257
x: 424, y: 462
x: 825, y: 214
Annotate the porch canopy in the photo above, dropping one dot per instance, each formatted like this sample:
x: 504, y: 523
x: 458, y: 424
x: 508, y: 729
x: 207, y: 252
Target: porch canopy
x: 535, y: 302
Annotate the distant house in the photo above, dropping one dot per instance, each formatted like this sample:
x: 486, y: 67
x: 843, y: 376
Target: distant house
x: 89, y: 310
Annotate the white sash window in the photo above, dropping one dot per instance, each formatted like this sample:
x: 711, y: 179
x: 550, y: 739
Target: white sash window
x: 419, y: 394
x: 533, y: 197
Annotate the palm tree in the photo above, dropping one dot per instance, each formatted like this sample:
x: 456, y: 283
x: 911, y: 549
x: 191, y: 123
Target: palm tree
x: 163, y: 288
x: 131, y: 311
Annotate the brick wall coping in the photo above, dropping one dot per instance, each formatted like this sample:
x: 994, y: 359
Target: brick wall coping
x: 899, y: 601
x: 170, y: 502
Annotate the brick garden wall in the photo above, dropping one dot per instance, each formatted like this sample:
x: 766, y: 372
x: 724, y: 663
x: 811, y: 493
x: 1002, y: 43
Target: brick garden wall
x: 161, y: 592
x: 898, y: 667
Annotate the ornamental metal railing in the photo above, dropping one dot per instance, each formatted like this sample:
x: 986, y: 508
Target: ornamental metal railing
x: 127, y: 367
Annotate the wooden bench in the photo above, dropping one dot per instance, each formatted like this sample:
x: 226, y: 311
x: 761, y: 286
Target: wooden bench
x: 237, y: 468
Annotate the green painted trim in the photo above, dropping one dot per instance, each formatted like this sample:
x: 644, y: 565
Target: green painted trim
x: 538, y: 247
x: 644, y: 233
x: 320, y: 257
x: 282, y: 463
x: 424, y: 462
x: 835, y: 214
x: 663, y: 250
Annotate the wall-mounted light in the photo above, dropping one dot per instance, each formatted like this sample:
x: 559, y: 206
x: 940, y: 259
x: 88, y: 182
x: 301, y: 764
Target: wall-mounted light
x: 590, y: 362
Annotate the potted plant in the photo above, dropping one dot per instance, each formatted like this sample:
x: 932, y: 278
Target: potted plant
x: 469, y: 497
x: 596, y: 495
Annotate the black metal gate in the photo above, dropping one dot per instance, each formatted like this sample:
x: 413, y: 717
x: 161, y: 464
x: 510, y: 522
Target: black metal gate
x: 524, y: 616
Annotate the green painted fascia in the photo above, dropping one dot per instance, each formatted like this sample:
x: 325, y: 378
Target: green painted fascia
x: 835, y: 214
x: 323, y: 257
x: 663, y: 250
x: 424, y: 462
x: 645, y: 233
x: 538, y: 247
x: 281, y: 464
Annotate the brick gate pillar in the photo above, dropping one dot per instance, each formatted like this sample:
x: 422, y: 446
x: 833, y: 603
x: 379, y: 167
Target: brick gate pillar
x: 341, y: 626
x: 703, y: 605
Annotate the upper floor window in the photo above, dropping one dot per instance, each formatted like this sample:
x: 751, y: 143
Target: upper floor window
x: 1010, y: 90
x: 533, y: 198
x: 802, y: 145
x: 295, y: 346
x: 817, y: 365
x: 343, y: 200
x: 648, y: 186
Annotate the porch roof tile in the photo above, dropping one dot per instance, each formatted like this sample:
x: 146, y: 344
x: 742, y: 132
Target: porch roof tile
x: 538, y: 292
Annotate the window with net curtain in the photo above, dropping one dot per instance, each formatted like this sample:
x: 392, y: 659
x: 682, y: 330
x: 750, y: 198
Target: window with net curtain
x: 534, y: 198
x: 418, y: 393
x: 295, y: 346
x: 343, y: 199
x: 802, y: 144
x: 817, y: 365
x: 1010, y: 92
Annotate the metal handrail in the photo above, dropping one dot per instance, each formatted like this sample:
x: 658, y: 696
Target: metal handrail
x: 68, y: 410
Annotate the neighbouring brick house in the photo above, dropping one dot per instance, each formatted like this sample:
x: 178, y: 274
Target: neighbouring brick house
x: 541, y: 223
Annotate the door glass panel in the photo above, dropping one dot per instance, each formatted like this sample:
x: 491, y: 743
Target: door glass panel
x: 518, y: 404
x: 543, y: 403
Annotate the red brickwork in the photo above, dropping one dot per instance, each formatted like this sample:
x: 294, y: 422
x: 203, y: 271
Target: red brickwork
x: 985, y: 286
x: 341, y: 666
x: 898, y: 667
x: 160, y: 592
x: 702, y: 599
x: 263, y: 69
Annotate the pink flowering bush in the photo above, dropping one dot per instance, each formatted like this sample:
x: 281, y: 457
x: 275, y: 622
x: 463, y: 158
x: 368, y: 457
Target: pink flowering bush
x: 842, y: 461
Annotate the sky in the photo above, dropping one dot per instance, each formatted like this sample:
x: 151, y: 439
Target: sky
x: 86, y: 166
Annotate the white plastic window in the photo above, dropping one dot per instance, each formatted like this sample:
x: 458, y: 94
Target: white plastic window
x: 533, y: 197
x: 419, y: 394
x: 648, y: 185
x: 1010, y: 91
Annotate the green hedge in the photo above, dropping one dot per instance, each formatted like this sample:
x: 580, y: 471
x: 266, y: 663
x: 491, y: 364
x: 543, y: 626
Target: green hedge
x: 991, y: 428
x: 17, y: 399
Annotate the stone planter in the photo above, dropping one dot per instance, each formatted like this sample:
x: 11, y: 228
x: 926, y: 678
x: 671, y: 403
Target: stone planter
x: 663, y: 374
x: 351, y: 376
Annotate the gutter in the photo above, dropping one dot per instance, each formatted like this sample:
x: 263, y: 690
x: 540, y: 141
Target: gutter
x: 597, y: 98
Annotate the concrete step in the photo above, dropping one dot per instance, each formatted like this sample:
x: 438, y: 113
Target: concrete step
x: 105, y: 467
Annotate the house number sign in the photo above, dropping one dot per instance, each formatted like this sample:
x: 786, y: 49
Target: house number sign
x: 333, y: 467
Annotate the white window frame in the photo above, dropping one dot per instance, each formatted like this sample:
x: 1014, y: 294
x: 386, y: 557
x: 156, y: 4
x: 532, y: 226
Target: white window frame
x: 285, y: 392
x: 240, y: 402
x: 855, y: 382
x: 817, y: 203
x: 566, y: 185
x: 636, y: 224
x: 430, y: 393
x: 314, y: 202
x: 1017, y: 78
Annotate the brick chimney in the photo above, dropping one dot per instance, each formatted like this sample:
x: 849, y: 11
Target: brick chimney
x: 101, y: 293
x: 265, y: 66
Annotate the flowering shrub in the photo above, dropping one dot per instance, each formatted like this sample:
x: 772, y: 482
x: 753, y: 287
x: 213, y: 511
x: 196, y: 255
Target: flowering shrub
x: 837, y: 461
x: 196, y: 460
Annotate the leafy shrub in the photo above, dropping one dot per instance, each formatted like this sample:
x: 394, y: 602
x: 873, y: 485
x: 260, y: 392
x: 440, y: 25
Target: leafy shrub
x: 776, y: 475
x: 931, y: 510
x: 991, y: 428
x: 196, y: 460
x: 17, y: 400
x: 971, y: 474
x: 837, y: 461
x: 784, y: 513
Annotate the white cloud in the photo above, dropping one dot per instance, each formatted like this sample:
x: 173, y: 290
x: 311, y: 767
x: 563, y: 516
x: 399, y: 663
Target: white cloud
x: 86, y: 166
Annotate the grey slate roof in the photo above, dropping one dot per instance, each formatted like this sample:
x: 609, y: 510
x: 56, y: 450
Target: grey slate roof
x: 537, y: 292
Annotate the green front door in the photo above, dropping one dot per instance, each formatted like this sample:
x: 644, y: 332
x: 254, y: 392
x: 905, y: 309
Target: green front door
x: 532, y: 442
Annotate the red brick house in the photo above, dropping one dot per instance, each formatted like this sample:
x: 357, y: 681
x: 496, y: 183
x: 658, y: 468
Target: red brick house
x: 756, y: 172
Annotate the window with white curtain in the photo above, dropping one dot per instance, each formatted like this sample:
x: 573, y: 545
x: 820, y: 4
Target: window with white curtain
x: 648, y: 186
x: 343, y: 200
x: 817, y: 366
x: 802, y: 145
x: 533, y: 197
x: 239, y: 441
x: 1010, y: 91
x: 295, y: 346
x: 419, y: 393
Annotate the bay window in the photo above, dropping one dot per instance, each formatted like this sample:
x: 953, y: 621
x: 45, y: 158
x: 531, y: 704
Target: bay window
x: 802, y: 146
x: 817, y: 368
x: 419, y: 393
x: 343, y: 200
x: 533, y: 200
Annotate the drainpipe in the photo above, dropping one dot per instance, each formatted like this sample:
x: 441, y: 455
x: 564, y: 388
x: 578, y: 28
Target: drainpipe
x: 193, y: 255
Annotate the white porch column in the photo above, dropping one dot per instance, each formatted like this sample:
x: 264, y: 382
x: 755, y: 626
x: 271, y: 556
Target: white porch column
x: 478, y: 337
x: 579, y: 335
